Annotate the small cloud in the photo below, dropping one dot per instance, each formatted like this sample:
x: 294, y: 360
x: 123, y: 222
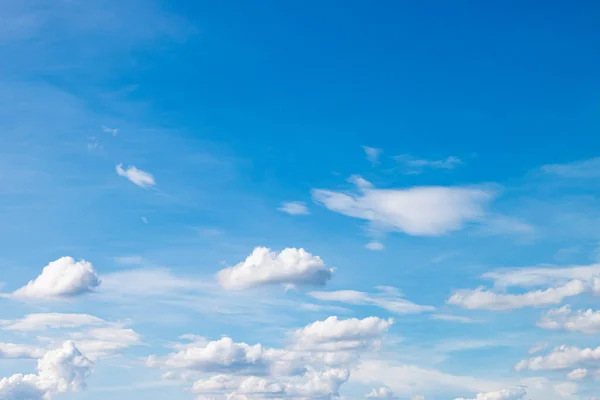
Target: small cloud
x: 63, y: 278
x: 130, y: 260
x: 584, y: 169
x: 145, y: 220
x: 136, y: 176
x: 93, y: 144
x: 372, y: 154
x: 412, y: 165
x: 112, y: 131
x: 454, y: 318
x: 375, y: 246
x: 537, y: 348
x: 294, y: 208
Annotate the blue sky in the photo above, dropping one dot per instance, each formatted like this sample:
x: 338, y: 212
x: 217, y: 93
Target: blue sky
x: 312, y: 200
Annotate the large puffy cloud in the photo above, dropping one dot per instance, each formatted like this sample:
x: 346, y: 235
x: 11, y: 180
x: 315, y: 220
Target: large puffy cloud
x: 488, y: 300
x: 62, y: 278
x: 264, y: 267
x: 313, y: 366
x: 388, y: 298
x: 136, y: 176
x: 419, y: 211
x: 585, y: 321
x: 504, y: 394
x: 562, y: 357
x: 61, y: 370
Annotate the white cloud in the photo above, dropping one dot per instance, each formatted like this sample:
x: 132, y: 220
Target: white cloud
x: 264, y: 267
x: 585, y: 321
x: 62, y: 278
x: 136, y: 176
x: 454, y: 318
x: 144, y: 220
x: 413, y: 165
x: 487, y: 300
x: 105, y: 341
x: 585, y: 169
x: 375, y: 246
x: 538, y: 276
x: 62, y: 370
x: 294, y: 208
x: 418, y: 211
x: 10, y: 350
x: 562, y: 357
x: 577, y: 374
x: 388, y: 298
x: 380, y: 393
x: 504, y: 394
x: 112, y: 131
x: 537, y: 348
x: 44, y: 321
x: 372, y: 154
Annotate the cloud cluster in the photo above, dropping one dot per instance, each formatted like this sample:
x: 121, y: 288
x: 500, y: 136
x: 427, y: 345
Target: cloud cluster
x: 63, y: 278
x: 266, y: 267
x: 61, y: 370
x: 418, y: 211
x: 388, y: 298
x: 136, y: 176
x: 313, y: 366
x: 562, y: 357
x: 584, y: 321
x: 380, y: 393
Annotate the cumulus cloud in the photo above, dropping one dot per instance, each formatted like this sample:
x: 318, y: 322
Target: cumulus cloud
x: 265, y: 267
x: 504, y: 394
x: 388, y: 298
x: 380, y: 393
x: 418, y: 211
x: 411, y: 165
x: 313, y: 366
x: 294, y: 208
x: 63, y: 278
x: 562, y: 357
x: 61, y: 370
x: 585, y: 321
x: 577, y: 374
x: 372, y: 154
x: 136, y: 176
x: 483, y: 299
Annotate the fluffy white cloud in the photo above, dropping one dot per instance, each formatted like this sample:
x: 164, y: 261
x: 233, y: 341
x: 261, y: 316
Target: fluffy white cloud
x: 61, y: 370
x: 504, y: 394
x: 264, y: 267
x: 294, y: 208
x: 577, y: 374
x: 585, y: 321
x: 388, y: 298
x: 43, y: 321
x: 487, y: 300
x: 380, y: 393
x: 562, y: 357
x: 412, y: 165
x: 375, y: 246
x: 136, y: 176
x: 62, y: 278
x: 419, y: 211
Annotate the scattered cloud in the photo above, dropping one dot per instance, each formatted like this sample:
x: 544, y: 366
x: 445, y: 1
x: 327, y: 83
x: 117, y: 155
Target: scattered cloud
x: 112, y: 131
x: 543, y: 275
x: 584, y: 321
x: 388, y: 298
x: 380, y: 393
x: 504, y: 394
x: 577, y: 374
x: 375, y: 246
x: 63, y: 278
x: 294, y: 208
x: 411, y: 165
x: 372, y: 154
x: 45, y: 321
x: 266, y: 267
x: 562, y: 357
x: 11, y: 350
x: 418, y: 211
x: 584, y: 169
x: 454, y: 318
x: 61, y: 370
x: 137, y: 176
x: 537, y: 348
x: 482, y: 299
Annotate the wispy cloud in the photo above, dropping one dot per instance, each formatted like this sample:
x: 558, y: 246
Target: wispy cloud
x: 294, y: 208
x: 137, y: 176
x: 112, y: 131
x: 372, y: 154
x: 584, y: 169
x: 411, y: 165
